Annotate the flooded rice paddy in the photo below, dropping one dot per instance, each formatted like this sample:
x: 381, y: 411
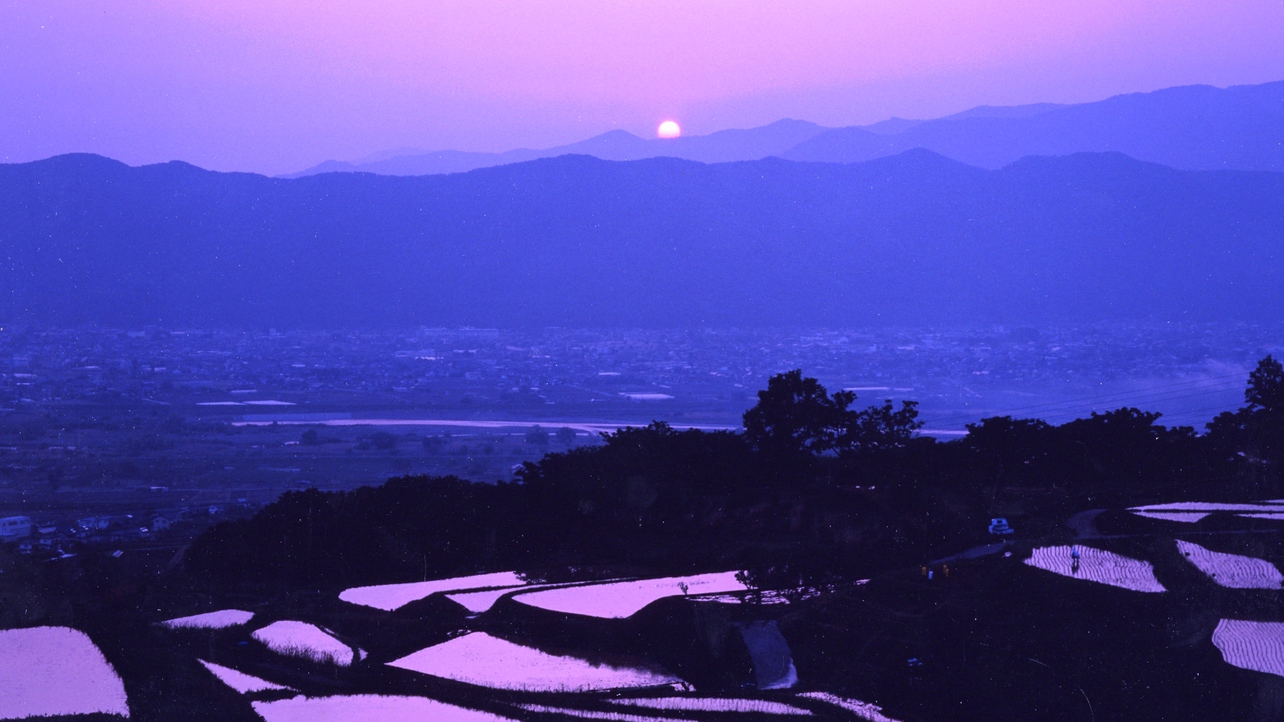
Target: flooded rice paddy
x: 389, y: 597
x: 863, y: 710
x: 479, y: 602
x: 221, y: 619
x: 47, y: 671
x: 368, y: 708
x: 480, y: 659
x: 617, y: 600
x: 1189, y: 517
x: 591, y: 714
x: 1232, y: 570
x: 300, y: 639
x: 1097, y: 565
x: 1258, y: 646
x: 714, y: 704
x: 1194, y: 511
x: 240, y: 681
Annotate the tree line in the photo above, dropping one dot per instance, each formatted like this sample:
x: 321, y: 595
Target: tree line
x: 812, y: 488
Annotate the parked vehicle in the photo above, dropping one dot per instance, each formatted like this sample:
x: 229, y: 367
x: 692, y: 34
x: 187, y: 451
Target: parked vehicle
x: 1000, y: 527
x: 13, y: 528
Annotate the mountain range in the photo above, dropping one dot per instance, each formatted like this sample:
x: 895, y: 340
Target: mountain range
x: 720, y: 147
x: 1196, y: 127
x: 915, y: 238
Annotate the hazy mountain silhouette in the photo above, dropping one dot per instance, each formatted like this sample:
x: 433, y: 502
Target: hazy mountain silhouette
x: 892, y: 126
x: 719, y: 147
x: 1196, y: 127
x: 576, y: 241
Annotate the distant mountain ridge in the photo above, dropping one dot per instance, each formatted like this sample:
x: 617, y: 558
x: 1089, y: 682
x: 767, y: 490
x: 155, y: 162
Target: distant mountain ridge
x: 913, y: 239
x: 1196, y: 127
x: 720, y: 147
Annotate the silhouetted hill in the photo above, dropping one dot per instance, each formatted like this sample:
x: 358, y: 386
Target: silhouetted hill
x: 576, y: 241
x: 1196, y: 127
x: 720, y: 147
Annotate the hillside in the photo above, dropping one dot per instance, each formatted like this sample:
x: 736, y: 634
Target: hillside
x: 576, y: 241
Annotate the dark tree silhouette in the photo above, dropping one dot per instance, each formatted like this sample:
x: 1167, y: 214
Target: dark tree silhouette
x: 792, y: 500
x: 1255, y: 432
x: 1265, y: 392
x: 880, y: 427
x: 796, y: 416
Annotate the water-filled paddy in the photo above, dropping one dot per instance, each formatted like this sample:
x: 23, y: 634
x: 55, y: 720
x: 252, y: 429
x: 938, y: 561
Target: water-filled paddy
x: 47, y: 671
x: 1232, y: 570
x: 240, y: 681
x: 863, y: 710
x: 368, y: 708
x: 389, y: 597
x: 480, y: 659
x: 1210, y: 506
x: 616, y: 600
x: 221, y: 619
x: 300, y: 639
x: 478, y: 602
x: 714, y: 704
x: 1189, y: 517
x: 1258, y: 646
x: 1097, y: 565
x: 591, y: 714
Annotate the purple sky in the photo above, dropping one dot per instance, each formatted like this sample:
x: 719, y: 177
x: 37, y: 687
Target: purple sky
x: 277, y: 85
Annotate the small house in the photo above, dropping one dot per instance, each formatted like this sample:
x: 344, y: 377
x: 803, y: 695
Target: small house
x: 13, y: 528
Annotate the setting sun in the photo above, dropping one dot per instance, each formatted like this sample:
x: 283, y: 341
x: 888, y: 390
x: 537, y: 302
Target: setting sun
x: 668, y: 129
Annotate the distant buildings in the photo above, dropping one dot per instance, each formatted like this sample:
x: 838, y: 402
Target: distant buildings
x: 13, y: 528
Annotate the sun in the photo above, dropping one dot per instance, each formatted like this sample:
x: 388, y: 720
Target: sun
x: 669, y: 129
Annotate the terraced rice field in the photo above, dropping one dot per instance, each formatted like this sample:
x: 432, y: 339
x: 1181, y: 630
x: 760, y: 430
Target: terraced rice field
x: 240, y: 681
x: 1210, y: 506
x: 654, y: 695
x: 1189, y: 517
x: 714, y: 704
x: 221, y: 619
x: 479, y: 602
x: 1097, y: 565
x: 1232, y: 570
x: 617, y: 600
x: 591, y: 714
x: 1193, y: 511
x: 480, y: 659
x: 768, y: 597
x: 301, y: 639
x: 389, y: 597
x: 47, y: 671
x: 368, y: 708
x: 863, y: 710
x: 1258, y: 646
